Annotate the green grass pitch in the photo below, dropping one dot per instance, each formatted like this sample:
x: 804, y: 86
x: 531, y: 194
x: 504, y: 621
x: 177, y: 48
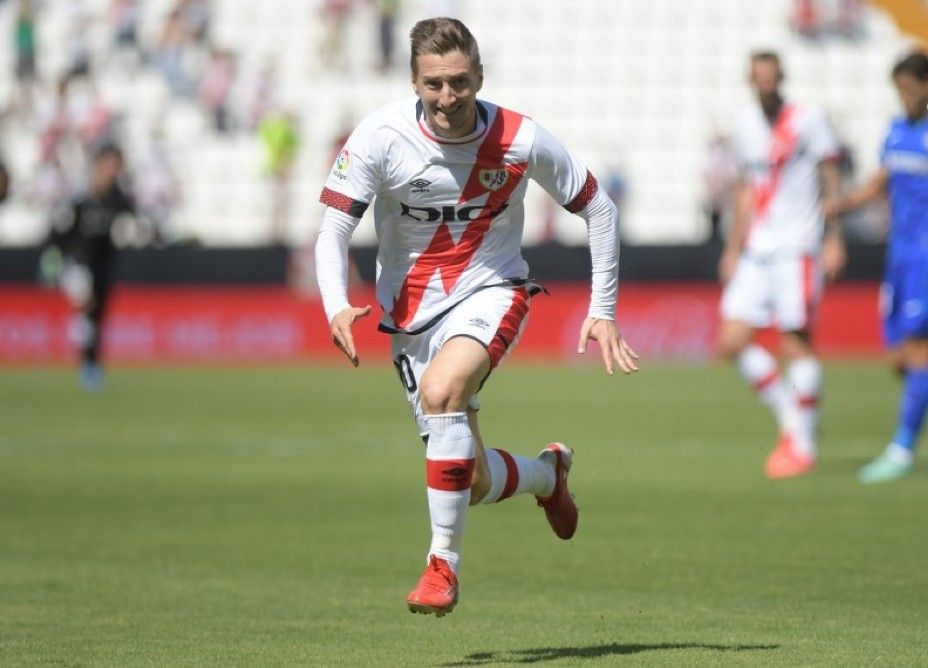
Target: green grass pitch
x: 277, y: 516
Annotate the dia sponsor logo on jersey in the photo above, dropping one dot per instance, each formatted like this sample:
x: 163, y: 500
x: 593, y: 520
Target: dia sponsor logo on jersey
x: 449, y: 213
x: 493, y: 179
x: 342, y: 163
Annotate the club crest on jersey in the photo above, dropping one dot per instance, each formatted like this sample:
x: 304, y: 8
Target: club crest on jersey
x: 493, y: 179
x: 342, y: 162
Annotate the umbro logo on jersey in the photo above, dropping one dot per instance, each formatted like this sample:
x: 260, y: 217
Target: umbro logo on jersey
x: 493, y: 179
x: 419, y: 186
x: 478, y: 322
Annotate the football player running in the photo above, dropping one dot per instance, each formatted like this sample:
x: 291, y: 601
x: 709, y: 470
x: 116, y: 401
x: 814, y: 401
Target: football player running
x: 448, y: 173
x: 903, y: 177
x: 775, y: 259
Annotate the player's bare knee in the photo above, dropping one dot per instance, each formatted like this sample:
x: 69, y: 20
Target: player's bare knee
x: 728, y: 348
x: 734, y: 337
x: 441, y: 394
x: 796, y: 345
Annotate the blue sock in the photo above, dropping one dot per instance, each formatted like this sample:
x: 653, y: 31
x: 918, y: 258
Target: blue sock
x: 912, y: 408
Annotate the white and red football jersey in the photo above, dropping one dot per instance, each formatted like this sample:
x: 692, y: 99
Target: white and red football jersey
x: 448, y: 213
x: 780, y: 163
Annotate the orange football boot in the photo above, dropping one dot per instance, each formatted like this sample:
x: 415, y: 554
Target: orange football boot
x: 560, y: 508
x: 785, y: 461
x: 436, y: 592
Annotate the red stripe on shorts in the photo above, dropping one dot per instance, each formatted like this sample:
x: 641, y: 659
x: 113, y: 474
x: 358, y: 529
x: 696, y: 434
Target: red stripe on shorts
x: 449, y: 475
x: 509, y: 325
x: 512, y: 475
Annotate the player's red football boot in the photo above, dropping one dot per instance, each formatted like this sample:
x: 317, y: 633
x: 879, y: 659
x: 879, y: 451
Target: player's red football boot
x: 560, y: 508
x: 436, y: 592
x: 786, y: 461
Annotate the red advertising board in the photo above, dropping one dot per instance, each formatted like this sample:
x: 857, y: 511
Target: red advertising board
x: 669, y: 321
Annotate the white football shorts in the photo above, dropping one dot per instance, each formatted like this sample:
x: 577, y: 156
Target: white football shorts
x: 494, y: 317
x: 774, y: 291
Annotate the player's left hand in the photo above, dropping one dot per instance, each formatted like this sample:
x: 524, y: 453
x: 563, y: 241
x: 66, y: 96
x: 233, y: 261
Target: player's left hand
x: 834, y: 256
x: 611, y: 344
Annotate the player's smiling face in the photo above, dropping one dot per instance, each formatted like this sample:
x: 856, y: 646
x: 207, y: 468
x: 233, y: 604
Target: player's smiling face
x: 448, y: 85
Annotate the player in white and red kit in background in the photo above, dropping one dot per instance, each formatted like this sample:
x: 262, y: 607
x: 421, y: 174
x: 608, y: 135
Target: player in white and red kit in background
x: 448, y: 174
x: 777, y: 255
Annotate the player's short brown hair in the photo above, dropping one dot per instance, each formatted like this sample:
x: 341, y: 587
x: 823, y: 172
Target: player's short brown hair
x: 767, y: 57
x: 441, y: 35
x: 914, y: 64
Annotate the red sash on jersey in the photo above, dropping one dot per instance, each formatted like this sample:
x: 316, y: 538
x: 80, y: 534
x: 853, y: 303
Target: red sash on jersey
x: 442, y: 254
x: 783, y: 141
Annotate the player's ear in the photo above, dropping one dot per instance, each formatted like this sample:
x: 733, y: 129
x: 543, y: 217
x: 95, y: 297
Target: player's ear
x: 479, y: 78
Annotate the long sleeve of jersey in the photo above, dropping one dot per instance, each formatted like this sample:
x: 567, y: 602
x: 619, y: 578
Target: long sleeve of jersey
x: 574, y: 187
x: 351, y: 185
x: 602, y: 221
x: 332, y: 259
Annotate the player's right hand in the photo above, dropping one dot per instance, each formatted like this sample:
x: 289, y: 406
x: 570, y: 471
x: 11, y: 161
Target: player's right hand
x: 341, y: 330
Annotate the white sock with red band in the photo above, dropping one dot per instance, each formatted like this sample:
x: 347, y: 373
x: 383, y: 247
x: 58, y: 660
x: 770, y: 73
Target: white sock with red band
x: 805, y: 376
x: 759, y: 369
x: 449, y: 473
x: 512, y: 474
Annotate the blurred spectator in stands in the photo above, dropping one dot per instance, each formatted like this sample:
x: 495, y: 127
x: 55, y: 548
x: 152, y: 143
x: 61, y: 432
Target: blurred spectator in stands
x: 172, y: 54
x: 386, y: 12
x: 848, y: 20
x: 805, y: 18
x: 24, y: 39
x: 157, y: 190
x: 719, y: 175
x: 815, y: 18
x: 78, y: 30
x: 124, y: 18
x: 197, y: 16
x: 54, y: 121
x: 216, y: 86
x: 79, y: 257
x: 280, y: 136
x: 93, y: 120
x: 263, y: 94
x: 333, y: 50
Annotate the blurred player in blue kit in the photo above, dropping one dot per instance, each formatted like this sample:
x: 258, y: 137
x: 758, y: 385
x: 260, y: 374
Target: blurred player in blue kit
x: 903, y: 177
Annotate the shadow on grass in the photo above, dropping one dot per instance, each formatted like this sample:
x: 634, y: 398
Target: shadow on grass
x: 540, y: 654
